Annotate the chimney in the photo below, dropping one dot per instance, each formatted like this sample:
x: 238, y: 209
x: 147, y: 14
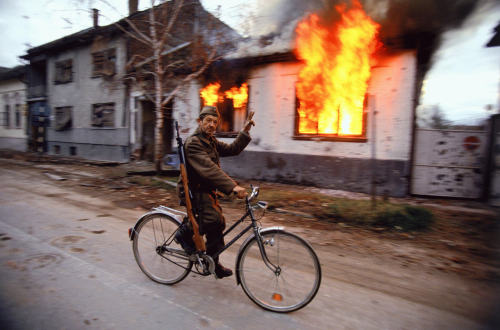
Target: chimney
x: 96, y: 17
x: 132, y: 6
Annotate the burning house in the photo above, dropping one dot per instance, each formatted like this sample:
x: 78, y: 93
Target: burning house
x: 334, y: 107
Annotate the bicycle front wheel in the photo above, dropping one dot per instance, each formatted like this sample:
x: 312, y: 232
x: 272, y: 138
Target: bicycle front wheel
x: 290, y: 280
x: 157, y: 253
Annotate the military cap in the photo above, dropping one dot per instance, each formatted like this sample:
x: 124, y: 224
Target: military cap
x: 208, y: 110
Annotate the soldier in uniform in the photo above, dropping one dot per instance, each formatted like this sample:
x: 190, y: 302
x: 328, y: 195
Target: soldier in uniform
x: 206, y: 178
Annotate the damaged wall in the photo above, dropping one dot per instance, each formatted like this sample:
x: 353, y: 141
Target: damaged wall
x: 275, y: 155
x: 82, y: 139
x: 449, y: 163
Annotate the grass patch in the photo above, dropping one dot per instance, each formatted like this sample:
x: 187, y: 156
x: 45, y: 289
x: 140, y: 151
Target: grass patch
x: 156, y: 182
x: 160, y: 183
x: 385, y: 215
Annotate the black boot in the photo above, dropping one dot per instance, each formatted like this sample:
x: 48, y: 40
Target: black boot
x: 221, y: 271
x: 184, y: 237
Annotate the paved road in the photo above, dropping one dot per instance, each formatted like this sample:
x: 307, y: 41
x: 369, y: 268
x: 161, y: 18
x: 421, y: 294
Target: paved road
x: 66, y: 263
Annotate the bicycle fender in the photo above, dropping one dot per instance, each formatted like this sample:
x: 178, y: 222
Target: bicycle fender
x: 246, y: 242
x: 172, y: 213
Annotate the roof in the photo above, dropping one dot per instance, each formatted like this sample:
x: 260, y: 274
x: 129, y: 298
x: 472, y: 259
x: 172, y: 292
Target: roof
x: 12, y: 73
x: 87, y: 36
x: 79, y: 38
x: 495, y: 40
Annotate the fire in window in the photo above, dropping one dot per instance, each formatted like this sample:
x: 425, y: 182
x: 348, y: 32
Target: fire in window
x: 103, y: 115
x: 63, y: 118
x: 332, y: 85
x: 64, y: 71
x: 103, y: 63
x: 231, y: 103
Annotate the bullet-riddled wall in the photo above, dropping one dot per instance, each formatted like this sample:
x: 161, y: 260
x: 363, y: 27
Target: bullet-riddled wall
x: 82, y: 138
x: 276, y: 154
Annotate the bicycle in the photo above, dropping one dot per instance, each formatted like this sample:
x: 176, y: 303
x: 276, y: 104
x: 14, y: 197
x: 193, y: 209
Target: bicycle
x: 278, y: 270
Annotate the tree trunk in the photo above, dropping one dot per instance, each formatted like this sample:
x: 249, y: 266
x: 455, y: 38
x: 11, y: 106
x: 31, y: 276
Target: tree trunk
x: 159, y: 123
x: 157, y: 48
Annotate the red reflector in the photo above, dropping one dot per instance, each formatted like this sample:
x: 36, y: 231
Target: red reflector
x: 277, y: 297
x: 130, y: 232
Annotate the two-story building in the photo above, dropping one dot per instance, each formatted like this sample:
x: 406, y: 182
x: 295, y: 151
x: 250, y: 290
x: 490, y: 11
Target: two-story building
x: 84, y: 101
x: 77, y: 105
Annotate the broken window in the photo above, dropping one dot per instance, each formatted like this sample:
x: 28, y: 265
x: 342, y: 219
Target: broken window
x: 64, y: 72
x: 63, y: 118
x: 335, y: 123
x: 103, y: 115
x: 103, y: 63
x: 232, y: 105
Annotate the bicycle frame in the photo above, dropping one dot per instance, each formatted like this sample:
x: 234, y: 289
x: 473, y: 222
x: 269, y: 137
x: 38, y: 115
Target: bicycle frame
x: 256, y: 229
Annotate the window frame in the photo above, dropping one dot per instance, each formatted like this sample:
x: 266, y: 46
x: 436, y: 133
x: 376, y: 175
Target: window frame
x: 331, y: 137
x: 57, y: 114
x: 63, y: 73
x: 7, y: 116
x: 18, y: 116
x: 223, y: 106
x: 93, y: 113
x: 108, y: 56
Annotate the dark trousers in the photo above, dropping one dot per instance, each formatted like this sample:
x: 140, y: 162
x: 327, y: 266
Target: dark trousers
x: 212, y: 222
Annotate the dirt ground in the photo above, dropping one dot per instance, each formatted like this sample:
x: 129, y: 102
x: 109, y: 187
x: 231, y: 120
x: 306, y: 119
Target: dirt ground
x: 464, y: 239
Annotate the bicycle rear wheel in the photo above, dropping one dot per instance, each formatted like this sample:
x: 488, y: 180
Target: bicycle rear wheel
x: 295, y: 280
x: 156, y: 252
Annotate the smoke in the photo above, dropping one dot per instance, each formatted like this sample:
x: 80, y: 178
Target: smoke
x: 405, y: 24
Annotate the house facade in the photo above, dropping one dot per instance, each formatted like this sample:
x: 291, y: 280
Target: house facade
x: 13, y: 109
x: 278, y: 153
x: 77, y: 103
x: 84, y: 101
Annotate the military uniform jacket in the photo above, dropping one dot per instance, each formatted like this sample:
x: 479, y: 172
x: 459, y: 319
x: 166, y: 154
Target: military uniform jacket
x: 203, y: 166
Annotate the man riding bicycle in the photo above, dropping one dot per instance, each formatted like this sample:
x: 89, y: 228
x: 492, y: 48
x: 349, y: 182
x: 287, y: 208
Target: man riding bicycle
x: 206, y: 178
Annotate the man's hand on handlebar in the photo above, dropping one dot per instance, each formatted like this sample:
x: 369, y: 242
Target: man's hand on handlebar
x: 240, y: 192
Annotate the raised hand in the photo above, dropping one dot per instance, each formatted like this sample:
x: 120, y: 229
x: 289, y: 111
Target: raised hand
x: 249, y: 122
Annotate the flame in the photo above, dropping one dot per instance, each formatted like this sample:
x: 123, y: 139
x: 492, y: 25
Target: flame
x: 211, y: 96
x: 331, y: 87
x: 238, y: 95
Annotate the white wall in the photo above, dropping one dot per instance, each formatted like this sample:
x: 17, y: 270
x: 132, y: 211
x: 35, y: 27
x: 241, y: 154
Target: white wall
x: 272, y: 98
x: 13, y: 92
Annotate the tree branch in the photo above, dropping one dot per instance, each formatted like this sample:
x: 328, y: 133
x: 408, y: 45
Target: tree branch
x: 146, y: 41
x: 178, y: 5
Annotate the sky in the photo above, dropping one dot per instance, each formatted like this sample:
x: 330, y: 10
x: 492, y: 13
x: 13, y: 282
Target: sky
x: 464, y: 80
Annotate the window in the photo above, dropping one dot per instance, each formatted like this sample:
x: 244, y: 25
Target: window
x: 64, y: 72
x: 57, y: 149
x: 63, y: 118
x: 18, y: 116
x: 7, y: 116
x: 341, y: 124
x: 103, y: 115
x: 103, y: 63
x: 232, y: 105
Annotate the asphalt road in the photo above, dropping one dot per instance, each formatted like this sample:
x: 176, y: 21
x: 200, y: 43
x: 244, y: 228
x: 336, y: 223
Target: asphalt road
x: 66, y: 263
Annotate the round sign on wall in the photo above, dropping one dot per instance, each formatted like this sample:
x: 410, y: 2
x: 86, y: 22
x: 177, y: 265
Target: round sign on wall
x: 472, y: 142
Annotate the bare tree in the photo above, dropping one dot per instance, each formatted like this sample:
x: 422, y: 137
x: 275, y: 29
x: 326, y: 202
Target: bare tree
x: 432, y: 116
x: 170, y: 44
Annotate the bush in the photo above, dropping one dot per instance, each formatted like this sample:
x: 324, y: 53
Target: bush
x: 387, y: 215
x: 408, y: 218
